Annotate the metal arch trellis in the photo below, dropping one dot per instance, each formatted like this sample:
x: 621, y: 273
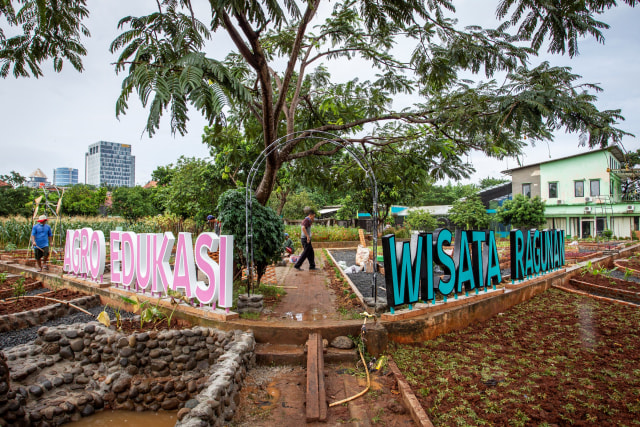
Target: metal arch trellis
x: 312, y: 135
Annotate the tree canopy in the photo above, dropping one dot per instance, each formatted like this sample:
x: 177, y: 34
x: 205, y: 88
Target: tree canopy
x: 469, y: 213
x: 277, y: 81
x: 522, y: 211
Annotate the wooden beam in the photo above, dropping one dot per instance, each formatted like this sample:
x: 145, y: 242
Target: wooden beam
x: 313, y: 407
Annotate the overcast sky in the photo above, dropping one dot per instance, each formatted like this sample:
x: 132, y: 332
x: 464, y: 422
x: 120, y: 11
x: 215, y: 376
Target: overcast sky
x: 49, y: 122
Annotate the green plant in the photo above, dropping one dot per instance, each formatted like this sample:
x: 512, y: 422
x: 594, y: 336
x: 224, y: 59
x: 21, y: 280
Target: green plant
x: 18, y: 288
x: 627, y: 273
x: 3, y: 277
x: 174, y: 298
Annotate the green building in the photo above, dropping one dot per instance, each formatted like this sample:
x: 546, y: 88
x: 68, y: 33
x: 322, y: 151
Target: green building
x: 583, y: 192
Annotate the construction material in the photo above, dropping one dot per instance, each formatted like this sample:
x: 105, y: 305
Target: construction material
x: 316, y: 393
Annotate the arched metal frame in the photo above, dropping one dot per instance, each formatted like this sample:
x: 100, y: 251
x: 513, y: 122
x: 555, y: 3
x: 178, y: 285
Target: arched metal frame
x: 317, y: 136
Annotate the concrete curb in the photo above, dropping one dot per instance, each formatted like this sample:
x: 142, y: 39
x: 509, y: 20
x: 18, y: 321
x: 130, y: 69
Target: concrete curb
x: 345, y: 276
x: 410, y: 400
x: 597, y: 297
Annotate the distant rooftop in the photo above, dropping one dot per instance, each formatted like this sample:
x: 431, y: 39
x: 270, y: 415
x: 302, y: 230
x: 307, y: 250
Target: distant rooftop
x: 38, y: 174
x: 615, y: 150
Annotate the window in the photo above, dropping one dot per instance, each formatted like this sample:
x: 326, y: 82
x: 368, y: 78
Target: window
x: 526, y: 190
x: 594, y: 185
x: 553, y: 190
x: 578, y: 188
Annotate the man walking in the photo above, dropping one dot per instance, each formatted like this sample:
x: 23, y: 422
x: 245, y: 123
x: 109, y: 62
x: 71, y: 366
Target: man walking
x: 305, y: 237
x: 41, y: 237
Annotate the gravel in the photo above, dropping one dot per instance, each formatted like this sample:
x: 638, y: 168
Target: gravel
x: 23, y: 336
x: 362, y: 281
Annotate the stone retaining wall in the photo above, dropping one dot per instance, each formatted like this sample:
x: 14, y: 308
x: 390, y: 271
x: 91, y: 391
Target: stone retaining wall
x: 25, y: 319
x: 71, y: 371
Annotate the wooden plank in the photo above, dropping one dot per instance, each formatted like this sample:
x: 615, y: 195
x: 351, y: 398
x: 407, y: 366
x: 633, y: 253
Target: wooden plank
x: 322, y: 392
x: 363, y: 242
x: 313, y: 408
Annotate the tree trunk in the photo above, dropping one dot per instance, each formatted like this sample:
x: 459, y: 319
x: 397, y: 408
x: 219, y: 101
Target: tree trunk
x: 268, y: 181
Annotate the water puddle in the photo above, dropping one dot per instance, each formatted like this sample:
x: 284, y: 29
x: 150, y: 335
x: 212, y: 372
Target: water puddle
x: 128, y: 418
x: 305, y: 316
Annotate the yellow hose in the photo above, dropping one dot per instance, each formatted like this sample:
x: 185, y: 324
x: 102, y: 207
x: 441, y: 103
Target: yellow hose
x: 365, y: 369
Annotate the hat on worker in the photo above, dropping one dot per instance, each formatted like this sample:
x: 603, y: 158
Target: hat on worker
x: 42, y: 218
x: 210, y: 217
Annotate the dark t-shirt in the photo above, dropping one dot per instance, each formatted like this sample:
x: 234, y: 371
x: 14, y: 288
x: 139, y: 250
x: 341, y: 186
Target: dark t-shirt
x: 306, y: 223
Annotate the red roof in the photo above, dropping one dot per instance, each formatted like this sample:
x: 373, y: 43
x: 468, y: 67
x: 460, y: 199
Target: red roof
x: 4, y: 184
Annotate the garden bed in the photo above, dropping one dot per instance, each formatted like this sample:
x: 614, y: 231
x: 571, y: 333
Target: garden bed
x: 557, y: 359
x: 9, y: 283
x: 27, y: 304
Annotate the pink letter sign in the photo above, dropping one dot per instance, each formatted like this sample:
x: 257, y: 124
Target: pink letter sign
x: 97, y: 252
x: 116, y: 258
x: 184, y: 270
x: 205, y: 243
x: 162, y: 278
x: 144, y: 255
x: 129, y: 240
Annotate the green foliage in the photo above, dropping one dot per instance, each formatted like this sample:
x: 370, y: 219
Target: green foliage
x: 469, y: 214
x: 83, y: 200
x: 421, y: 220
x: 332, y: 233
x: 18, y: 287
x: 15, y: 179
x: 191, y: 190
x: 433, y: 194
x: 522, y: 211
x: 49, y: 30
x: 17, y: 231
x: 296, y: 204
x: 490, y: 182
x: 268, y: 229
x: 15, y: 201
x: 348, y: 210
x: 3, y: 277
x: 133, y: 203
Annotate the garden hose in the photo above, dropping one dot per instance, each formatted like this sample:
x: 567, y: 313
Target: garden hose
x: 364, y: 364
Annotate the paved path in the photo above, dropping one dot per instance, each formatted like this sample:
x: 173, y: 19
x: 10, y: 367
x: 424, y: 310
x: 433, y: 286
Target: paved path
x: 308, y: 296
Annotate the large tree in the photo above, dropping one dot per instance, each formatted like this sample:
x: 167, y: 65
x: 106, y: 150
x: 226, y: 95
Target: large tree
x: 165, y: 56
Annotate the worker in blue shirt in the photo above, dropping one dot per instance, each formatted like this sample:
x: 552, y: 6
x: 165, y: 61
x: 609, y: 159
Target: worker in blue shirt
x: 41, y: 238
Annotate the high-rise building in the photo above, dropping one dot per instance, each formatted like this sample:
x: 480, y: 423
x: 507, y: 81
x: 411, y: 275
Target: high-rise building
x: 64, y: 177
x: 110, y: 163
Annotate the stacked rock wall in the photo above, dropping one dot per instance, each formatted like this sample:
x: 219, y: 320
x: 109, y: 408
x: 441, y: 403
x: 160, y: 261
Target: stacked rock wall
x: 25, y: 319
x: 71, y: 371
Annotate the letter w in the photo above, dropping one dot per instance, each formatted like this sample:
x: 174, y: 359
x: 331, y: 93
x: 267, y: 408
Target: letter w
x: 409, y: 261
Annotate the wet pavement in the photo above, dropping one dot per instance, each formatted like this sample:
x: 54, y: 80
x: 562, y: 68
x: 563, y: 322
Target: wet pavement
x: 308, y: 297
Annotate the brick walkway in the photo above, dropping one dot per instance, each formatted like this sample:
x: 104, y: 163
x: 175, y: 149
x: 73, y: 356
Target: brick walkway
x: 308, y: 296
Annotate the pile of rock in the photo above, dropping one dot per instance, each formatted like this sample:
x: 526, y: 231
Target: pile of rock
x: 25, y: 319
x: 250, y: 303
x: 72, y: 370
x: 11, y: 409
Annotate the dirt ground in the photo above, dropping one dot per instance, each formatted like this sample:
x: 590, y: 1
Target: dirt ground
x: 275, y: 396
x: 26, y: 304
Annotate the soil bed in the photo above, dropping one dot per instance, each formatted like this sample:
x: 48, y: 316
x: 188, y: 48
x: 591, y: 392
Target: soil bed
x: 610, y: 281
x: 25, y: 304
x: 131, y: 325
x: 556, y: 359
x: 8, y: 285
